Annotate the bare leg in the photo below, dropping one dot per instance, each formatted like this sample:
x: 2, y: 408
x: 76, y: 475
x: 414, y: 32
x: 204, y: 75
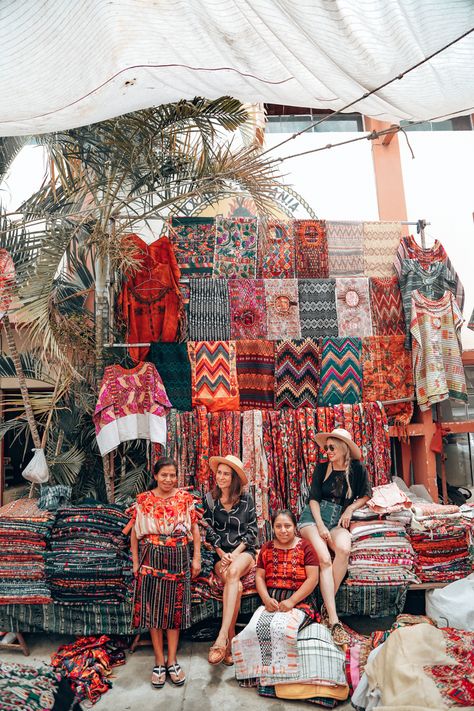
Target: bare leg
x: 232, y: 594
x: 326, y: 580
x: 172, y: 637
x: 236, y: 613
x: 157, y: 641
x: 341, y: 545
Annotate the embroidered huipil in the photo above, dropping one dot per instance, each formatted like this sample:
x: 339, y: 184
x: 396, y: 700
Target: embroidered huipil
x: 155, y: 516
x: 437, y: 363
x: 132, y: 404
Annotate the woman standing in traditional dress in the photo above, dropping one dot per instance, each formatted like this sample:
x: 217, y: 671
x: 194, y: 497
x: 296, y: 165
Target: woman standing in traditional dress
x: 232, y: 529
x: 164, y: 522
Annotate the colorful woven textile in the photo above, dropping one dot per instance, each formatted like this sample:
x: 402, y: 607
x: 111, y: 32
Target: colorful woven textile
x: 172, y: 363
x: 256, y: 374
x: 65, y: 618
x: 437, y: 362
x: 345, y: 247
x: 214, y: 375
x: 371, y: 600
x: 297, y: 366
x: 317, y: 303
x: 353, y: 307
x: 388, y: 375
x: 311, y: 249
x: 381, y: 240
x: 255, y: 463
x: 248, y: 318
x: 194, y: 241
x: 283, y: 318
x: 276, y: 250
x: 209, y: 310
x: 455, y: 681
x: 236, y: 248
x: 341, y: 371
x: 26, y: 687
x: 386, y: 306
x: 440, y: 543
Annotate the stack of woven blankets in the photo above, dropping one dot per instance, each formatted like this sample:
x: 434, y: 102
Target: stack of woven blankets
x: 440, y: 540
x: 30, y: 688
x: 381, y: 554
x: 24, y: 530
x: 89, y: 559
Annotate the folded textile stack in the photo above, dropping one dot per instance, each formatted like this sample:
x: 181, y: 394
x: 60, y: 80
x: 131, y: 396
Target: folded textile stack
x: 24, y: 531
x: 90, y: 559
x: 26, y: 687
x: 381, y: 554
x: 440, y: 540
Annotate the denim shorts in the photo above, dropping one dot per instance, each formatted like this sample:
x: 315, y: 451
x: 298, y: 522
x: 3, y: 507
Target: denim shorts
x: 330, y: 514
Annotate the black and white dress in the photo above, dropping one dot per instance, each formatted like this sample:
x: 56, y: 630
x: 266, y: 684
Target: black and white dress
x: 228, y: 529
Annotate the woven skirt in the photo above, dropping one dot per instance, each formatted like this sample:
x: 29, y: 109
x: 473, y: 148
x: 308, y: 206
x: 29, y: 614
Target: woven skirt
x: 162, y: 597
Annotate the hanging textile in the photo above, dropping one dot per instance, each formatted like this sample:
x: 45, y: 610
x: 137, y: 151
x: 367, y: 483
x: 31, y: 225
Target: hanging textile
x: 311, y: 249
x: 236, y: 248
x: 388, y: 375
x: 256, y: 374
x: 204, y: 475
x: 386, y: 306
x: 7, y: 281
x: 224, y: 432
x: 150, y: 302
x: 381, y: 240
x: 194, y: 241
x: 341, y: 371
x: 214, y: 375
x: 375, y: 442
x: 248, y: 318
x: 209, y: 310
x: 437, y: 362
x: 297, y: 365
x: 172, y: 363
x: 291, y: 481
x: 471, y: 321
x: 283, y: 318
x: 353, y: 307
x: 317, y: 304
x: 276, y: 250
x: 345, y: 248
x: 273, y: 453
x: 307, y: 426
x: 255, y: 463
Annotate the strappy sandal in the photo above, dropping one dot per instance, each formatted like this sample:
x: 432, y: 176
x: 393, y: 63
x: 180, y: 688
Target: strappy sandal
x: 339, y: 635
x: 228, y: 660
x: 160, y: 672
x: 175, y: 669
x: 217, y: 653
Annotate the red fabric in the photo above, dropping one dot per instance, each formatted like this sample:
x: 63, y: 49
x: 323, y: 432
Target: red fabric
x: 286, y: 568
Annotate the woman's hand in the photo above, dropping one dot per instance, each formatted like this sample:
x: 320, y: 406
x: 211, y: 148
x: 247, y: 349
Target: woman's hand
x: 346, y: 518
x: 325, y: 534
x: 286, y: 605
x: 271, y: 605
x: 195, y: 567
x: 136, y: 568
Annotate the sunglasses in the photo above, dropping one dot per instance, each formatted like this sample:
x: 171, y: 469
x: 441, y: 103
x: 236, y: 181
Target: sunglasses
x: 329, y: 447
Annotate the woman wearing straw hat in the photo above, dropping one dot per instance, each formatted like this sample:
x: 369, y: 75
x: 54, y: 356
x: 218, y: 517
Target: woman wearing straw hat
x: 340, y: 486
x: 232, y: 529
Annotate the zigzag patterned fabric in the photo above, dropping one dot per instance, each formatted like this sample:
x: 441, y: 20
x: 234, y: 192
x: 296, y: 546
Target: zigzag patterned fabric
x: 386, y: 306
x: 297, y: 373
x: 317, y: 302
x: 381, y: 240
x: 214, y: 375
x: 209, y: 310
x: 345, y: 247
x: 256, y: 374
x: 341, y: 371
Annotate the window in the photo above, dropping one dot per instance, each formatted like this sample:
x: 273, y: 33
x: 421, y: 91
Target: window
x: 460, y: 123
x: 291, y: 119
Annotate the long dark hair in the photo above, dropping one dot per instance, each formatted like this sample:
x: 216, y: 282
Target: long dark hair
x: 159, y: 464
x: 284, y: 512
x: 235, y: 488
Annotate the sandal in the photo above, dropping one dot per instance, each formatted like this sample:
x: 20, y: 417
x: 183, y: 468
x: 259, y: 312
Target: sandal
x: 175, y: 669
x: 228, y: 659
x: 160, y: 672
x: 339, y: 635
x: 217, y: 654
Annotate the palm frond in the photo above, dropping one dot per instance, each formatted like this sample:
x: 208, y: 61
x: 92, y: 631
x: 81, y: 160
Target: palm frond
x: 65, y: 466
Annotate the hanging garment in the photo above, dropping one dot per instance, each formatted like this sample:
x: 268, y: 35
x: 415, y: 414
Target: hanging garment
x: 256, y: 374
x: 297, y: 365
x: 311, y: 249
x: 381, y: 240
x: 276, y: 250
x: 353, y: 307
x: 194, y: 241
x: 255, y: 463
x: 150, y: 301
x: 132, y: 404
x: 386, y: 306
x: 248, y: 318
x: 410, y: 249
x: 209, y: 310
x: 214, y: 375
x: 345, y: 248
x: 341, y: 371
x: 437, y: 362
x: 471, y: 321
x: 236, y: 248
x: 317, y: 304
x: 7, y: 281
x: 172, y: 363
x: 283, y: 318
x: 388, y: 375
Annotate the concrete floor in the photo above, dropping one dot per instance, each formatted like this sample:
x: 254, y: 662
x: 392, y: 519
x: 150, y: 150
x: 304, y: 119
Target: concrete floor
x: 208, y: 687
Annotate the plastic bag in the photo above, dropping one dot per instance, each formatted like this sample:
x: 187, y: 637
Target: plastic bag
x: 37, y: 470
x: 453, y: 606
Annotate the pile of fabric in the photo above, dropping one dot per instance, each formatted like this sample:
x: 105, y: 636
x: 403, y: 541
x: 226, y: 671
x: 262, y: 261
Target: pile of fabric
x: 440, y: 540
x: 381, y: 554
x: 24, y: 531
x: 28, y: 688
x: 89, y: 559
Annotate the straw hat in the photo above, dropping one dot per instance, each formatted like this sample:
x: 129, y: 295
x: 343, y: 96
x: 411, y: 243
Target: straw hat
x: 344, y: 436
x: 232, y: 462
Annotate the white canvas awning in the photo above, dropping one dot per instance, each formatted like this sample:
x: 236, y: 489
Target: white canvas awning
x: 66, y: 63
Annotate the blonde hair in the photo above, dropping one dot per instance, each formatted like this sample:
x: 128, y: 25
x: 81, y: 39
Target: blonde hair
x: 347, y: 462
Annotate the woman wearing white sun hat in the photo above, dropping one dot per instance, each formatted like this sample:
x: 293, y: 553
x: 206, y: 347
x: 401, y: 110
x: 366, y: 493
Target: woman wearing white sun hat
x: 340, y: 486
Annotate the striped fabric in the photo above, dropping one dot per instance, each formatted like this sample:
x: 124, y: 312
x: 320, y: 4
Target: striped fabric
x: 341, y: 371
x: 209, y: 310
x: 297, y: 373
x: 214, y: 375
x: 256, y: 374
x: 345, y: 247
x: 386, y: 306
x: 381, y: 240
x: 317, y: 303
